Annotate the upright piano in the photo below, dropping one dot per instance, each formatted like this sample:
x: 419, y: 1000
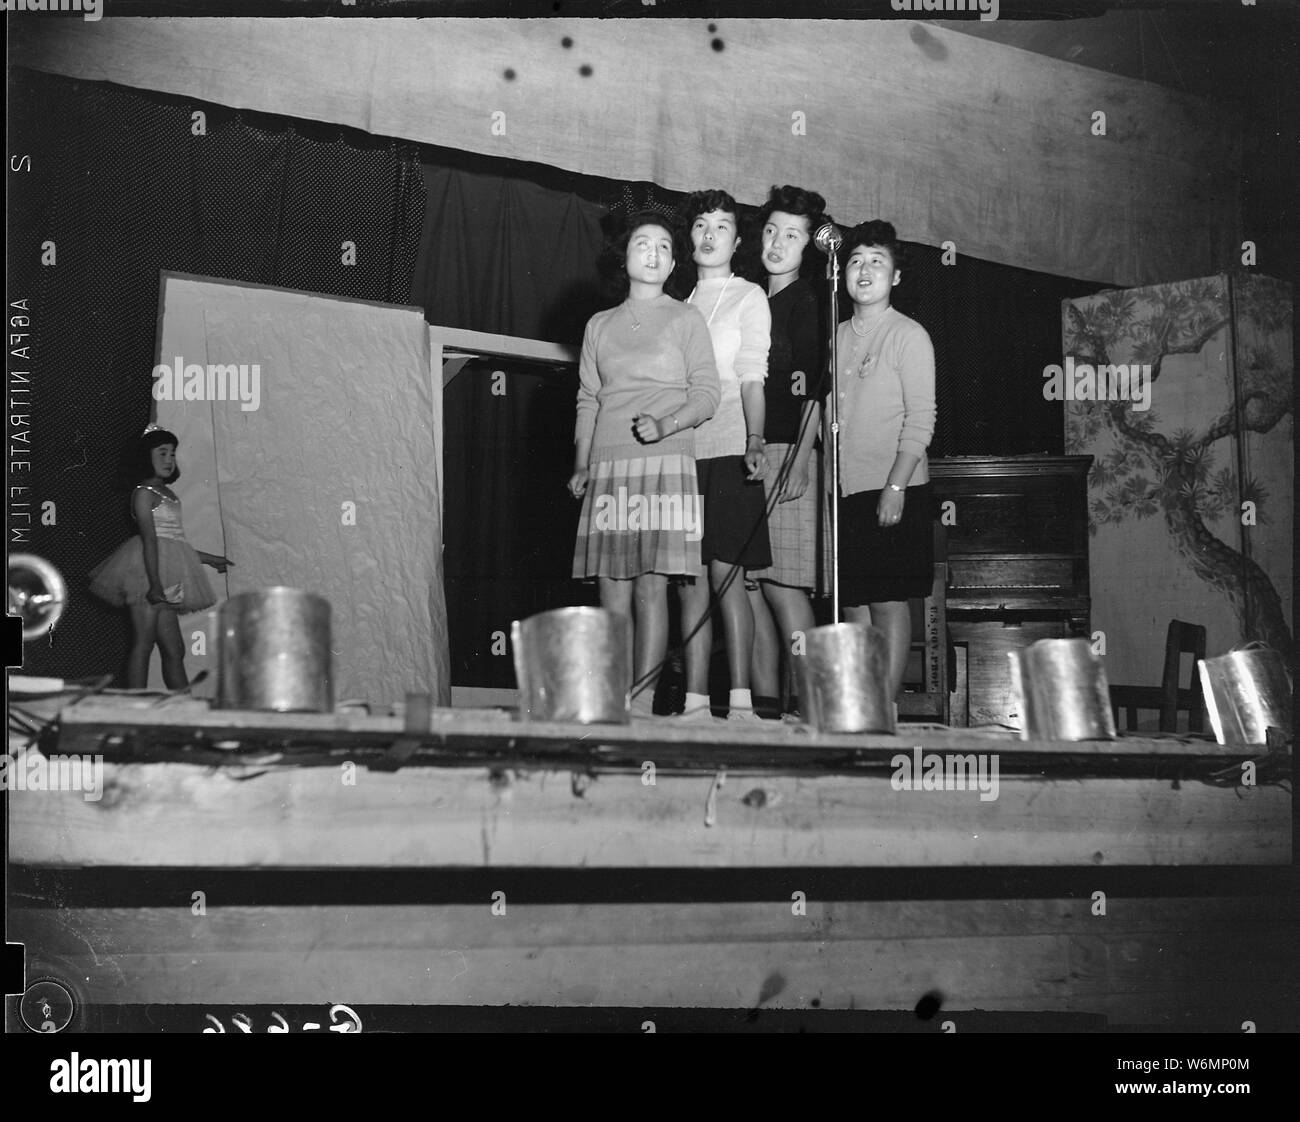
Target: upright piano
x: 1017, y: 545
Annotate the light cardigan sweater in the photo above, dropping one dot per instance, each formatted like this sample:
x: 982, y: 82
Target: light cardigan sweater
x: 888, y: 406
x: 657, y: 368
x: 740, y: 325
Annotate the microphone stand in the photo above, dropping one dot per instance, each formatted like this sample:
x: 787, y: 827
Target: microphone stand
x: 833, y: 275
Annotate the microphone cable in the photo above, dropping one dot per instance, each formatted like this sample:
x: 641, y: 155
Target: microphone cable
x: 783, y: 475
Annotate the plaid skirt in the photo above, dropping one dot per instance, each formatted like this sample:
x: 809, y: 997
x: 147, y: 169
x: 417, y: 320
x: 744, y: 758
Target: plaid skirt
x: 793, y: 528
x: 639, y: 516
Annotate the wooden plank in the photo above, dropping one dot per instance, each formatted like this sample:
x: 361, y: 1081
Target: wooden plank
x: 992, y: 698
x: 959, y: 705
x: 460, y: 339
x: 993, y: 467
x: 483, y: 697
x: 1031, y: 577
x: 181, y: 815
x: 747, y: 956
x: 300, y: 929
x: 134, y: 728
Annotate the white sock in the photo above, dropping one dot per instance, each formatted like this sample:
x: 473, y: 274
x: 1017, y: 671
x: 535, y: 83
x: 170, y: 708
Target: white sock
x: 741, y: 699
x: 695, y: 701
x: 643, y: 703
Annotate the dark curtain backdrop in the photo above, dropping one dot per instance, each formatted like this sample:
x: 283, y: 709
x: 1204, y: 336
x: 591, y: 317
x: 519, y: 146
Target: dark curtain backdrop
x: 510, y: 248
x: 994, y: 329
x: 124, y: 190
x: 509, y: 523
x: 505, y: 255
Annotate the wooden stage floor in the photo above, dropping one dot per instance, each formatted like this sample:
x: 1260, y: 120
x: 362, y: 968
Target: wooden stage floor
x: 233, y: 857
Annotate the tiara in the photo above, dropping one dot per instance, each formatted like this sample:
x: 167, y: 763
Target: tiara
x: 150, y: 427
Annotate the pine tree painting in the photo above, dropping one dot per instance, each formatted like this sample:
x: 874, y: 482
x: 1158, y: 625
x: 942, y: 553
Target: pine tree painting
x: 1188, y: 477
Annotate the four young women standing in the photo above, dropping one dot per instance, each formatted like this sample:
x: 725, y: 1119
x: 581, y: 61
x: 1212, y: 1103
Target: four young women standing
x: 766, y: 378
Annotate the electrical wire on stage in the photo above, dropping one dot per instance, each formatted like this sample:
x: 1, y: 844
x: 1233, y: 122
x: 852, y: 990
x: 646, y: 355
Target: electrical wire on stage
x: 651, y: 677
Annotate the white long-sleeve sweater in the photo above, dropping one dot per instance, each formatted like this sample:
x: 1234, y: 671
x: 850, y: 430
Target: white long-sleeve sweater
x: 740, y: 326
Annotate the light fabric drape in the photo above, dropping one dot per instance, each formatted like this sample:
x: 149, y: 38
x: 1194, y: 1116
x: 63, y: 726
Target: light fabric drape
x: 953, y: 138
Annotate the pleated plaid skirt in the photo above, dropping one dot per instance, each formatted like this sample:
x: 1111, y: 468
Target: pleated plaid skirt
x: 793, y: 528
x: 639, y: 516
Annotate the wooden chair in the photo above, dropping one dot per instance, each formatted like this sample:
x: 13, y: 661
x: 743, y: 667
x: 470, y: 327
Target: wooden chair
x: 1168, y: 698
x: 932, y: 702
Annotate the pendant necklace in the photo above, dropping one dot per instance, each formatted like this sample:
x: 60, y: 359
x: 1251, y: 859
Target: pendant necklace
x: 636, y: 323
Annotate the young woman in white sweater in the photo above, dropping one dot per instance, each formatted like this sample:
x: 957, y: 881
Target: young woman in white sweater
x: 729, y: 456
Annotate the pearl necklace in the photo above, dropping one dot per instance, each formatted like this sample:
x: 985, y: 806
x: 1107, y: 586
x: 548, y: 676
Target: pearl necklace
x: 853, y: 323
x: 866, y: 358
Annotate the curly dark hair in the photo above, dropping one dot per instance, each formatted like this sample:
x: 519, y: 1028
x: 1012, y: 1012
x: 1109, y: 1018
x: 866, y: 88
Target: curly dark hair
x: 137, y: 463
x: 744, y: 262
x: 612, y: 262
x: 706, y: 202
x: 874, y: 233
x: 803, y: 203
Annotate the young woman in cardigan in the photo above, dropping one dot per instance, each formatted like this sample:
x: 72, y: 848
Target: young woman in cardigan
x: 886, y: 416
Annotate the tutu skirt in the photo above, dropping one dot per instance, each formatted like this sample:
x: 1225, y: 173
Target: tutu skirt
x: 640, y: 516
x: 120, y: 578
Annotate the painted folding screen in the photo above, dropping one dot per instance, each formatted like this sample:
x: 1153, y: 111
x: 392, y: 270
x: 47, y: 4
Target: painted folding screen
x: 1191, y: 500
x: 330, y: 484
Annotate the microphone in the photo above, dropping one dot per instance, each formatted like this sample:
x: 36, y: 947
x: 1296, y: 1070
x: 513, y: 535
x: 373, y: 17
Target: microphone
x: 828, y: 238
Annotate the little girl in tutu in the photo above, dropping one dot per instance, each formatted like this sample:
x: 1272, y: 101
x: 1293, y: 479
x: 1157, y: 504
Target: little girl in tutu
x: 158, y: 574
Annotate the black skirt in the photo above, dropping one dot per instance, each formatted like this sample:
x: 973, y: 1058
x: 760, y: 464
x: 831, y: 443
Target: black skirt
x: 735, y: 514
x: 878, y: 563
